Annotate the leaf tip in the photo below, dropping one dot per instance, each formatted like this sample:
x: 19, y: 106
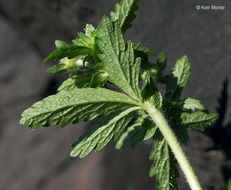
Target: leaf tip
x: 46, y: 59
x: 22, y: 122
x: 72, y: 154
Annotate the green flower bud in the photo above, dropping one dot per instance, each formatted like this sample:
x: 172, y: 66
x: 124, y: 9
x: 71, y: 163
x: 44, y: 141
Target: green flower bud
x: 73, y: 63
x: 155, y: 74
x: 99, y: 79
x: 143, y: 75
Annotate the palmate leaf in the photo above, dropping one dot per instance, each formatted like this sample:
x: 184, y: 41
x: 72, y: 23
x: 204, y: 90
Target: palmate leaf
x: 178, y: 78
x: 164, y: 165
x: 102, y: 132
x: 73, y: 106
x: 102, y: 55
x: 125, y: 13
x: 118, y: 58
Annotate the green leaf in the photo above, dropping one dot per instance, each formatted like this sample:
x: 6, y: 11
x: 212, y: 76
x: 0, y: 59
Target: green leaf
x: 164, y: 165
x: 187, y: 103
x: 125, y: 13
x: 149, y: 91
x: 157, y: 99
x: 162, y: 60
x: 198, y: 120
x: 146, y: 76
x: 181, y: 133
x: 89, y: 30
x: 90, y: 78
x: 70, y: 51
x: 57, y: 69
x: 178, y: 78
x: 193, y: 104
x: 172, y: 111
x: 150, y: 129
x: 182, y: 71
x: 88, y: 39
x: 73, y: 106
x: 140, y: 48
x: 136, y: 133
x: 75, y: 82
x: 83, y: 40
x: 60, y: 44
x: 229, y: 185
x: 102, y: 132
x: 118, y: 58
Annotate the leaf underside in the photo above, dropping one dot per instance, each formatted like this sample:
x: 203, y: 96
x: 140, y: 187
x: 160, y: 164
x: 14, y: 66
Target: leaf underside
x: 136, y: 133
x: 164, y: 166
x: 198, y: 120
x: 102, y: 132
x: 103, y: 55
x: 73, y: 106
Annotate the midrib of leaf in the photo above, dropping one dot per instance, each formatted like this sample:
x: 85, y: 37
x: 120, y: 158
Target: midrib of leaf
x: 73, y: 105
x: 118, y: 54
x: 62, y: 108
x: 117, y: 60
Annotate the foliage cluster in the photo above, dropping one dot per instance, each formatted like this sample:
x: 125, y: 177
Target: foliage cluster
x: 101, y: 56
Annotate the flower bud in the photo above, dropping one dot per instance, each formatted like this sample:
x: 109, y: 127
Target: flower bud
x: 99, y: 79
x: 73, y: 63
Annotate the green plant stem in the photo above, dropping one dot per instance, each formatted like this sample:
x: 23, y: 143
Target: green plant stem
x: 168, y: 134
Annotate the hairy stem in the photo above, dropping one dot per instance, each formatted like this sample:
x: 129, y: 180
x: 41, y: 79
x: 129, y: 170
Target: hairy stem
x: 168, y: 134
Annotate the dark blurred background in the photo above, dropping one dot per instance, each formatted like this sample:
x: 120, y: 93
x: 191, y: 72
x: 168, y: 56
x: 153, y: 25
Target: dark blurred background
x: 39, y: 159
